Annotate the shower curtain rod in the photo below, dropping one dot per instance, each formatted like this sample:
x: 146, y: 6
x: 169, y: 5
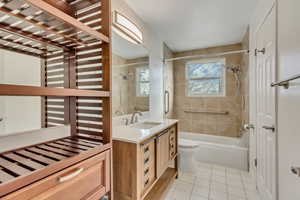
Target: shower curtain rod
x: 132, y: 64
x: 207, y: 55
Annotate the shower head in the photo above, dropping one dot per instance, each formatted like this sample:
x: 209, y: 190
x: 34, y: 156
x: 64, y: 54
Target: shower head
x: 233, y: 68
x: 127, y: 76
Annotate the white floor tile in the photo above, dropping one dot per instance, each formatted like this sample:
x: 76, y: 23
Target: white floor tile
x: 214, y: 182
x: 180, y: 195
x: 219, y: 179
x: 183, y: 187
x: 231, y: 197
x: 216, y: 195
x: 202, y: 191
x: 196, y: 197
x: 188, y: 178
x: 202, y: 181
x: 235, y: 191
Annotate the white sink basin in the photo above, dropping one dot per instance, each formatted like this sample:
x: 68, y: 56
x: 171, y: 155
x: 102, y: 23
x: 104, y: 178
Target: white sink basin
x: 146, y: 125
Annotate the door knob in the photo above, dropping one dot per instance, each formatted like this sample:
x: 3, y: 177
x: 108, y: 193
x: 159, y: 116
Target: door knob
x: 1, y: 119
x: 295, y: 170
x: 263, y: 51
x: 270, y: 128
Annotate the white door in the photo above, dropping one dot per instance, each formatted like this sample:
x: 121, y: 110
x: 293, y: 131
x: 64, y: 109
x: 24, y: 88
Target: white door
x: 288, y: 99
x: 266, y: 97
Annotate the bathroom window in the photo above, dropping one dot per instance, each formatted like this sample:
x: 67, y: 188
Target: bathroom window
x: 205, y: 78
x: 142, y: 81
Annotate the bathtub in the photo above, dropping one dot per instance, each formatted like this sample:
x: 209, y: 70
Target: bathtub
x: 226, y: 151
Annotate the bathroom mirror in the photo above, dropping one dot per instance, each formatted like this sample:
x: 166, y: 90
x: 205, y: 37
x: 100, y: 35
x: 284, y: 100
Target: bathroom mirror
x: 131, y: 76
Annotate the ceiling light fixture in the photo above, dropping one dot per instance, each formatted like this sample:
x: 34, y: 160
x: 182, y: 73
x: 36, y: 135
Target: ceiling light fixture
x: 126, y: 28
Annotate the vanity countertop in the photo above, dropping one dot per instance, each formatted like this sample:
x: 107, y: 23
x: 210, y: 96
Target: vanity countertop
x: 136, y: 135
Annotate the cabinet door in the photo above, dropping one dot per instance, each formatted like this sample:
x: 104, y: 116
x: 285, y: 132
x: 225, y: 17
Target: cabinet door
x: 162, y: 151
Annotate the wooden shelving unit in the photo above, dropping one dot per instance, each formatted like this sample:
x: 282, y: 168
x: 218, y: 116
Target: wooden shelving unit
x: 72, y: 39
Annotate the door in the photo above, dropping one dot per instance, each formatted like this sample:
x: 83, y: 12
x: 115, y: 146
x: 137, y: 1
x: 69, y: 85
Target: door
x: 162, y: 152
x: 266, y: 110
x: 288, y: 99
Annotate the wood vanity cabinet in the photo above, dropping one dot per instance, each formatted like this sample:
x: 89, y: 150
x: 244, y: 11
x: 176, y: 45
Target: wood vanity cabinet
x: 138, y: 167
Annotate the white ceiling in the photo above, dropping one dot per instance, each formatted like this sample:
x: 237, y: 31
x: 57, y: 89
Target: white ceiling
x: 126, y: 49
x: 193, y: 24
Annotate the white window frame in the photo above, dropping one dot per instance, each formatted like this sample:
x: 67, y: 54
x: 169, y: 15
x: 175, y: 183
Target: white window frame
x: 203, y: 61
x: 137, y: 72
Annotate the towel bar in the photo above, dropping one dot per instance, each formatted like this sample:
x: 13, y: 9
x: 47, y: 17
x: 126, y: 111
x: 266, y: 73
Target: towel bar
x: 208, y: 112
x: 286, y: 83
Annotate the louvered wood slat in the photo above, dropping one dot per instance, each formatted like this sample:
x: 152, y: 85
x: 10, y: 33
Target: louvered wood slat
x: 80, y: 142
x: 57, y: 151
x: 75, y: 146
x: 4, y: 177
x: 25, y: 161
x: 65, y: 148
x: 47, y: 153
x: 13, y: 167
x: 36, y: 157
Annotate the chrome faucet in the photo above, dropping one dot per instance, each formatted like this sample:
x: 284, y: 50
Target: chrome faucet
x: 134, y: 119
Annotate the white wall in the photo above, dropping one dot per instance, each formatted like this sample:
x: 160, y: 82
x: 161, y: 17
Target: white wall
x: 20, y: 113
x: 155, y: 47
x: 288, y: 100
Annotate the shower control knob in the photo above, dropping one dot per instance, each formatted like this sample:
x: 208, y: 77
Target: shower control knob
x: 249, y: 126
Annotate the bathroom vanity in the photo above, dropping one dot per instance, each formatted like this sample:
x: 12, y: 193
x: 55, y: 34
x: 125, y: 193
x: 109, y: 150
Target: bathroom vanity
x: 144, y: 159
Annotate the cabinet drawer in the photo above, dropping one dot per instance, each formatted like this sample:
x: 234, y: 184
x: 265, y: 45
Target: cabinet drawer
x: 148, y: 164
x: 81, y: 181
x: 173, y: 144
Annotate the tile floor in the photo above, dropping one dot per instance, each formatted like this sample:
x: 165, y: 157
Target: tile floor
x: 212, y: 182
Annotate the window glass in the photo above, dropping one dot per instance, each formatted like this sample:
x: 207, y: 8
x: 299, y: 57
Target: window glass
x: 143, y: 81
x: 205, y: 78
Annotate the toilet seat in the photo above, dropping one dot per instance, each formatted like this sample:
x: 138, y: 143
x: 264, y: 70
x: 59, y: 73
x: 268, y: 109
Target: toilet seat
x: 184, y: 143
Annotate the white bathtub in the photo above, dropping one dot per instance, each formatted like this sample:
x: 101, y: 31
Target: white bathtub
x: 226, y: 151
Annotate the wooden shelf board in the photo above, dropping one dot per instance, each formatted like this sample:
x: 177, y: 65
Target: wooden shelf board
x: 36, y: 23
x: 161, y: 187
x: 46, y: 7
x: 20, y: 90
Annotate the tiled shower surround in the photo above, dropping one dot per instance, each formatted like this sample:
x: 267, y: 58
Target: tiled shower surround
x: 222, y: 125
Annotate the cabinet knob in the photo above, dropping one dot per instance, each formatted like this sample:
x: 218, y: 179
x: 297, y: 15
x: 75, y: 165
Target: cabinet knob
x: 146, y: 182
x: 146, y: 149
x: 146, y: 171
x: 146, y: 160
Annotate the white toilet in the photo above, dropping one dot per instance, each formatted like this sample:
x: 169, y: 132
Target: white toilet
x: 187, y: 150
